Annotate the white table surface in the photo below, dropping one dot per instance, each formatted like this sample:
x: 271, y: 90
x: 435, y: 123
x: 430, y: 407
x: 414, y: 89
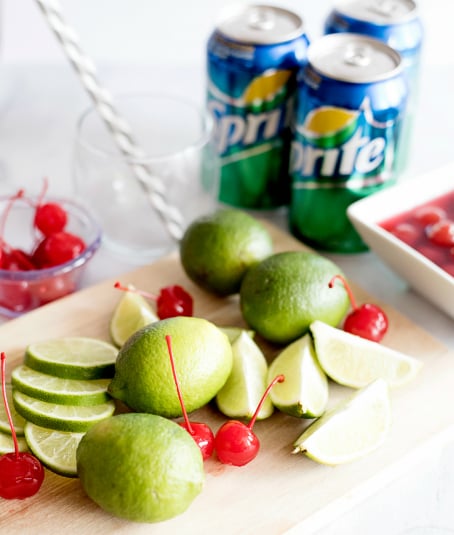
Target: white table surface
x: 39, y: 106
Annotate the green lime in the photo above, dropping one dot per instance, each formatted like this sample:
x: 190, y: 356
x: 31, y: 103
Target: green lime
x: 353, y: 428
x: 217, y: 250
x: 61, y: 417
x: 285, y: 293
x: 247, y: 382
x: 57, y: 390
x: 55, y: 449
x: 140, y: 467
x: 7, y: 444
x: 143, y: 375
x: 354, y: 361
x: 131, y: 314
x: 304, y: 393
x: 234, y: 332
x: 18, y: 420
x: 72, y: 358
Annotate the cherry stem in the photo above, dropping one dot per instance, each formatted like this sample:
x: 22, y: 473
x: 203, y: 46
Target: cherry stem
x: 120, y: 286
x: 347, y: 288
x: 277, y: 379
x: 5, y: 401
x: 177, y: 384
x: 18, y: 195
x: 43, y: 191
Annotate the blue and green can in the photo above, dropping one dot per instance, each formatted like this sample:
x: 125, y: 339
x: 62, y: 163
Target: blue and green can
x: 253, y: 57
x: 350, y: 107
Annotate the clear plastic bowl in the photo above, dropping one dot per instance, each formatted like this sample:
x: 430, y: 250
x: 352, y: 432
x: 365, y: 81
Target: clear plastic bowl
x: 23, y: 291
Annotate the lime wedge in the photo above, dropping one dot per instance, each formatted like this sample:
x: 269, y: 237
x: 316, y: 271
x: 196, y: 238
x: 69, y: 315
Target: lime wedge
x: 57, y: 390
x: 241, y: 393
x: 131, y: 314
x: 55, y: 449
x: 353, y: 428
x: 7, y: 444
x: 354, y: 361
x: 70, y: 418
x: 73, y: 358
x: 18, y: 420
x: 233, y: 333
x: 304, y: 393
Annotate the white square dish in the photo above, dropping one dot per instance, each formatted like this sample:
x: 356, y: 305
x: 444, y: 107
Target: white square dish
x: 428, y: 279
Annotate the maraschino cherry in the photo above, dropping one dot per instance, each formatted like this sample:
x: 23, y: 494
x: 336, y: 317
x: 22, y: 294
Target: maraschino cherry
x: 172, y: 300
x: 368, y: 321
x: 235, y: 442
x: 50, y: 217
x: 21, y: 474
x: 200, y: 432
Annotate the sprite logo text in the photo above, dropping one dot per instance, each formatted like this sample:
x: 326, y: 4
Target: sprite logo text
x: 358, y: 154
x: 242, y: 129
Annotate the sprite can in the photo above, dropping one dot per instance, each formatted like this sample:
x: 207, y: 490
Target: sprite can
x: 351, y: 103
x: 396, y: 23
x: 253, y: 57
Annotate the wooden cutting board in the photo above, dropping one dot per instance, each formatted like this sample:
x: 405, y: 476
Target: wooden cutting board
x: 276, y: 493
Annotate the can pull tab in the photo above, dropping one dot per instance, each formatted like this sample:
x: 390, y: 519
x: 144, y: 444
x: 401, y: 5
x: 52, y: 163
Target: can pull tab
x: 261, y: 18
x: 358, y: 56
x: 385, y: 8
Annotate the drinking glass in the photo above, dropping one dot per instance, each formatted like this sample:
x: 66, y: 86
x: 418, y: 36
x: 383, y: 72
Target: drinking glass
x: 176, y: 137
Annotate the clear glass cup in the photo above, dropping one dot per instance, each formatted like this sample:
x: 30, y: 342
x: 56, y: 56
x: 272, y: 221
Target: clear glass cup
x: 176, y: 136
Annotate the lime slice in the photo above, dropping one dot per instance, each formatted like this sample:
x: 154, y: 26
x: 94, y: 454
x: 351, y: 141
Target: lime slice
x: 354, y: 361
x: 353, y: 428
x: 131, y: 314
x: 73, y: 358
x: 18, y: 420
x: 233, y: 333
x: 57, y: 390
x: 71, y: 418
x: 241, y: 393
x: 304, y: 393
x: 55, y: 449
x: 7, y: 444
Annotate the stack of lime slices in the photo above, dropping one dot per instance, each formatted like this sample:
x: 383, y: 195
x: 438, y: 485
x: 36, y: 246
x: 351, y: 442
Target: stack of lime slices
x: 61, y: 391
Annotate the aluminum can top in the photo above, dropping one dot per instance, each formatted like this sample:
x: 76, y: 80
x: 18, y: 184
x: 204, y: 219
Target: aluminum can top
x: 380, y: 12
x: 259, y: 24
x: 354, y: 58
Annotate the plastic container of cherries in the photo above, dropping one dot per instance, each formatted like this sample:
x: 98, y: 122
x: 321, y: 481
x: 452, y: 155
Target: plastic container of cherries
x: 45, y: 245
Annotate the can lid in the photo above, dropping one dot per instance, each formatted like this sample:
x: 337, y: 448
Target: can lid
x: 259, y: 24
x: 380, y: 12
x: 355, y: 58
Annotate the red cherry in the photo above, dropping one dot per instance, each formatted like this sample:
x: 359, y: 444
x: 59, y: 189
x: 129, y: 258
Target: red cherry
x: 17, y: 260
x: 21, y: 474
x: 235, y: 442
x: 441, y: 233
x: 200, y: 432
x: 50, y: 218
x: 172, y: 300
x: 57, y: 249
x: 428, y: 215
x: 368, y: 321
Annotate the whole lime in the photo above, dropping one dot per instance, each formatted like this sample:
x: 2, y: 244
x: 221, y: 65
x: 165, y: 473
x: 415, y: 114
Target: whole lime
x: 216, y: 250
x: 143, y: 375
x: 285, y: 293
x: 140, y: 467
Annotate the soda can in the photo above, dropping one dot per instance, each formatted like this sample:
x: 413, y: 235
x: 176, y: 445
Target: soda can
x: 351, y: 103
x: 253, y: 57
x: 398, y: 24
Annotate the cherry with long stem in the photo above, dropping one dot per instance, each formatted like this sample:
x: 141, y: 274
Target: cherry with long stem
x: 368, y: 320
x: 21, y: 473
x: 235, y: 442
x: 201, y: 433
x: 172, y: 300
